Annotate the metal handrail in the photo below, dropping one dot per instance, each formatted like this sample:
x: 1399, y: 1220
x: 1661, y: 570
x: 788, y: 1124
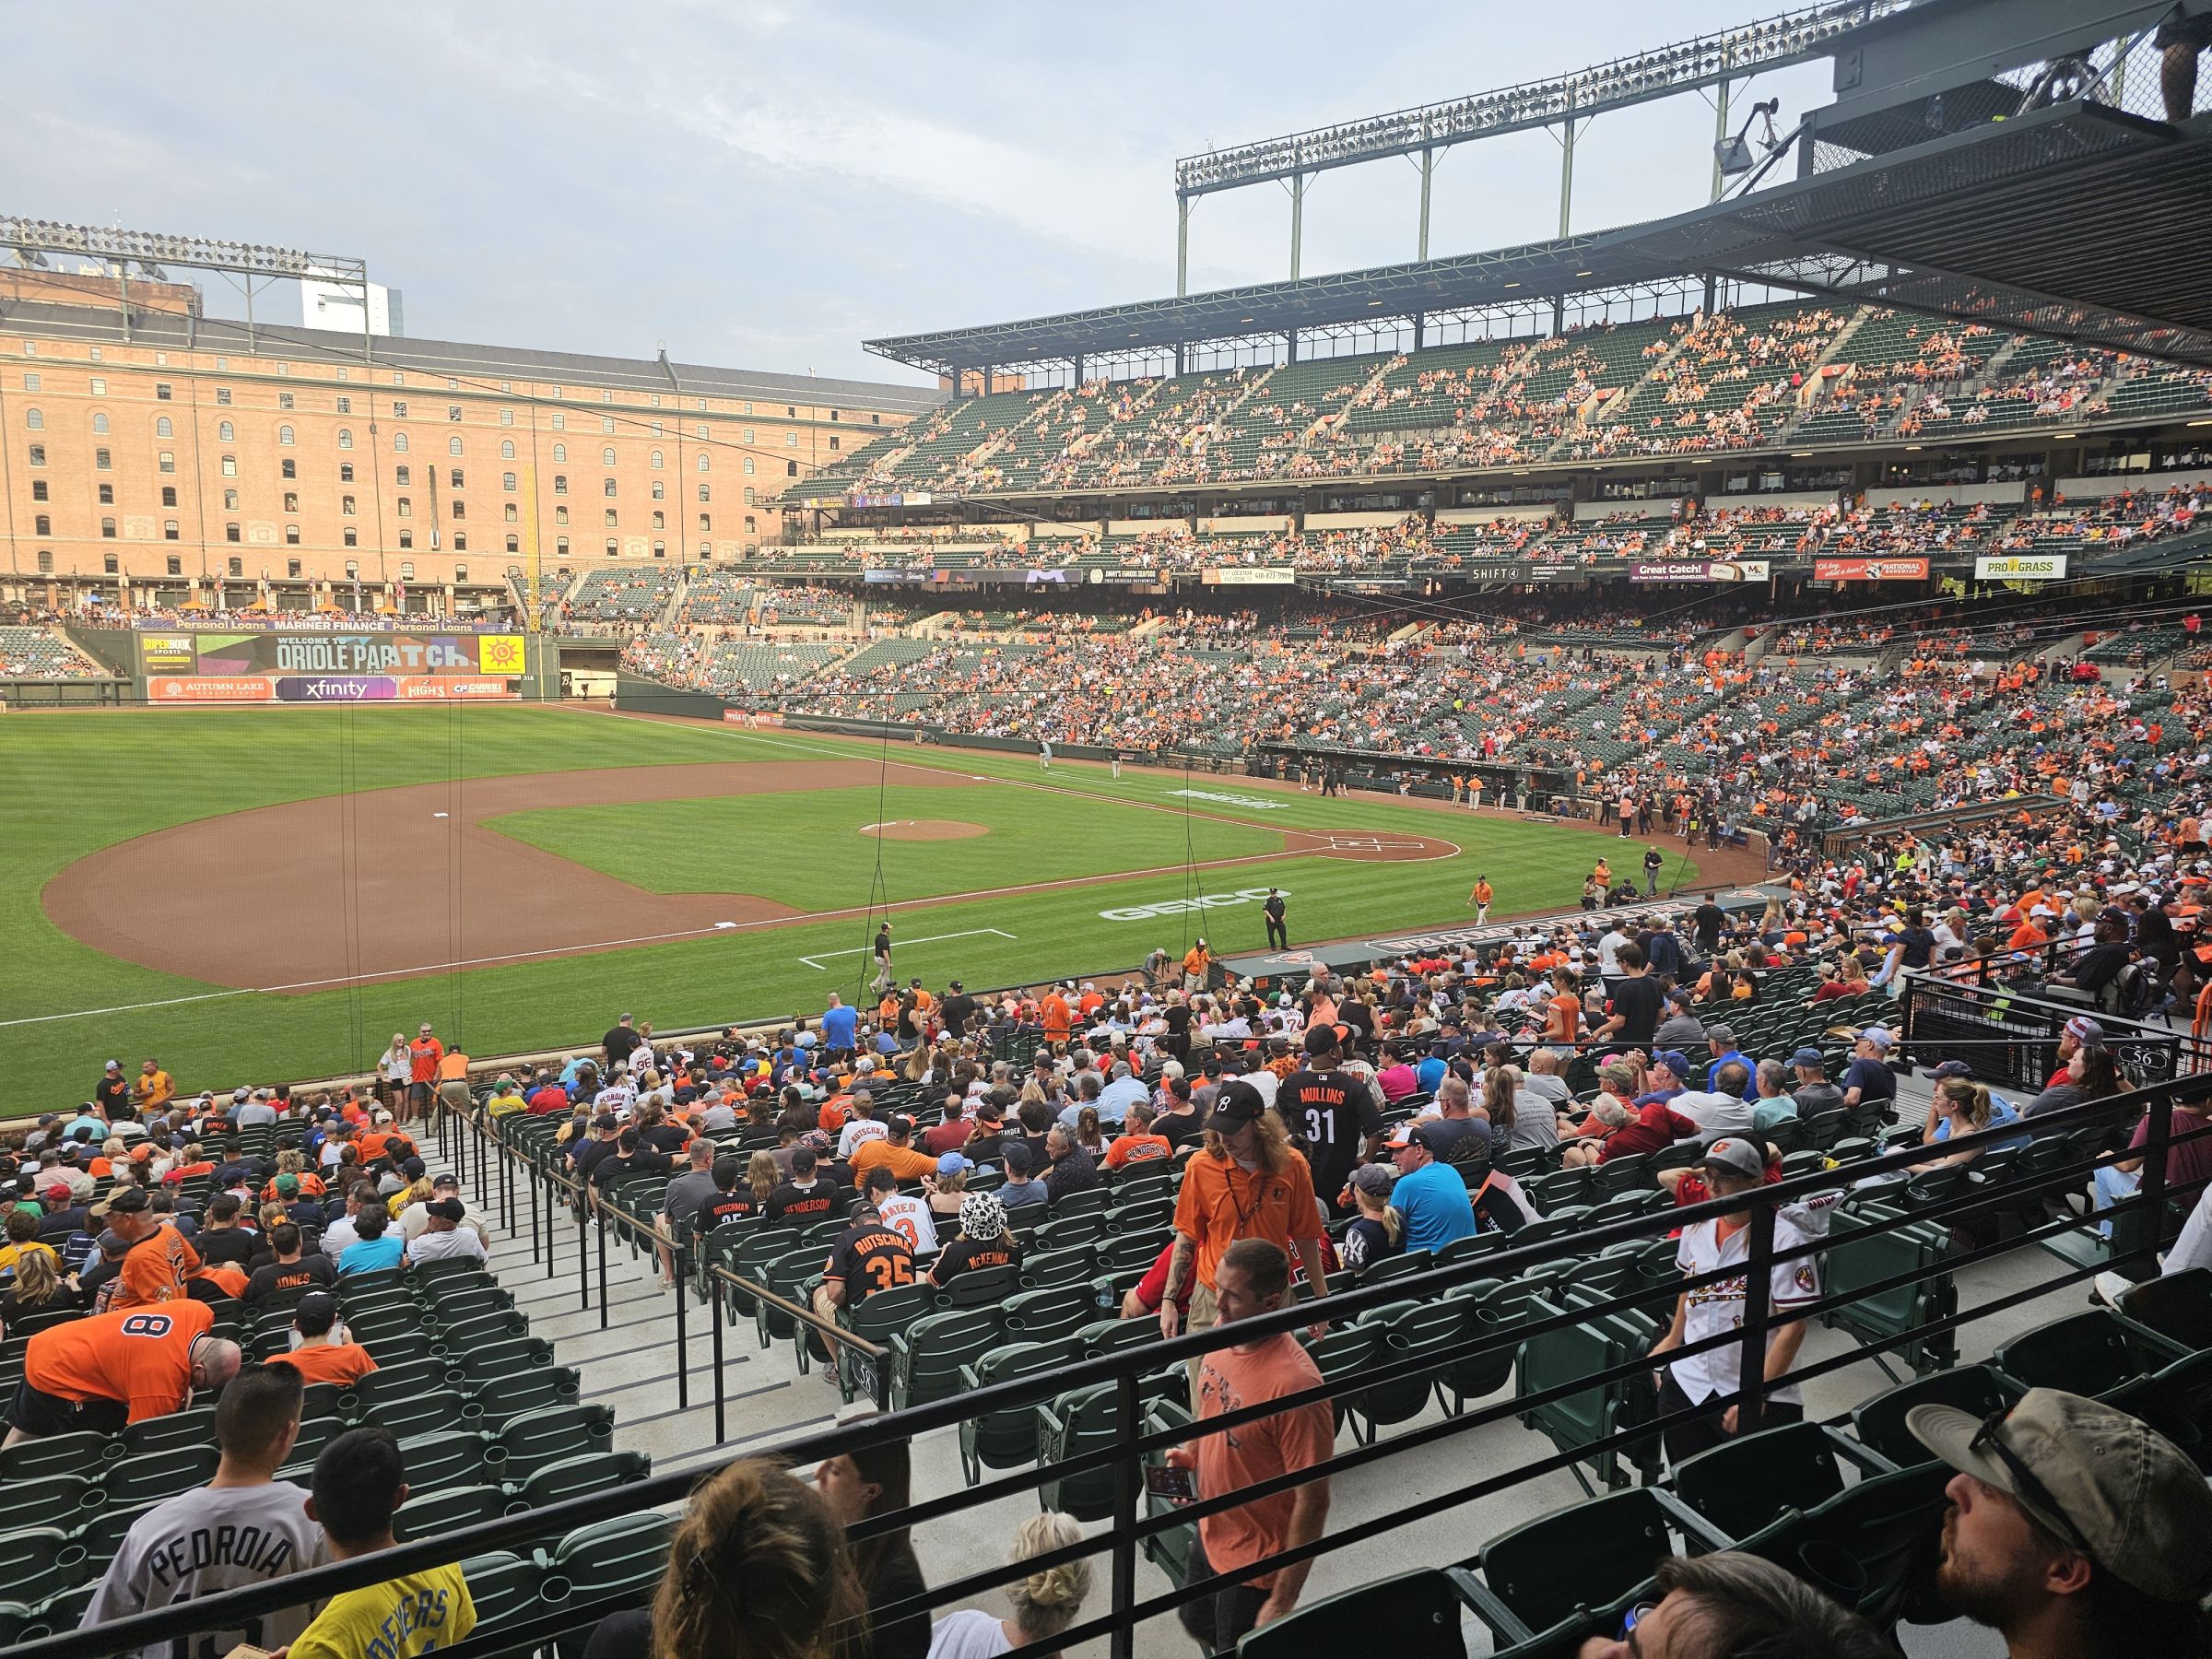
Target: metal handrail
x: 1121, y: 1370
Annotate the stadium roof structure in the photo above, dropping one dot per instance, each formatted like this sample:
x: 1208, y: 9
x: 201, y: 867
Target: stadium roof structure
x: 2079, y: 220
x: 1932, y: 183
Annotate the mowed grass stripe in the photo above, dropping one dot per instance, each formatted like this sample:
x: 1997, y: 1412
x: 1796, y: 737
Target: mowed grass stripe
x: 804, y: 849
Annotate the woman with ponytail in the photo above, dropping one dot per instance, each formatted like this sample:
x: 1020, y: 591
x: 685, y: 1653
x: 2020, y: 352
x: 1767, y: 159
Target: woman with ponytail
x: 1044, y: 1603
x: 757, y: 1568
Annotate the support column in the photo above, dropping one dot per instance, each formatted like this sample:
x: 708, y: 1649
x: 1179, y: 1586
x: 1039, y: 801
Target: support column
x: 1298, y: 220
x: 1720, y: 132
x: 1183, y: 246
x: 1079, y: 366
x: 1181, y: 357
x: 1428, y: 173
x: 1566, y: 168
x: 123, y: 280
x: 1290, y: 342
x: 1420, y: 326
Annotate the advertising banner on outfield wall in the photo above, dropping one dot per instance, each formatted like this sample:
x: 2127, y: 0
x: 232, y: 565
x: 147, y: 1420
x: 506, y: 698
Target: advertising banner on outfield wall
x: 1249, y: 576
x: 329, y: 689
x: 238, y: 656
x: 2020, y: 567
x: 1870, y: 569
x: 1700, y: 570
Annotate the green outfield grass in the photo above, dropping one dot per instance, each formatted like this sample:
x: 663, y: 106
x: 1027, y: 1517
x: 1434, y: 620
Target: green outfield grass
x: 81, y: 781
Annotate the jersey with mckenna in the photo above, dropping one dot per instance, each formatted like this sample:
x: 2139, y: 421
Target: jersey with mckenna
x: 204, y: 1542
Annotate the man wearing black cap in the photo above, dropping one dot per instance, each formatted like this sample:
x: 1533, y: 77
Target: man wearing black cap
x: 444, y: 1238
x: 957, y: 1009
x: 1247, y: 1181
x: 1711, y: 1380
x: 1334, y: 1110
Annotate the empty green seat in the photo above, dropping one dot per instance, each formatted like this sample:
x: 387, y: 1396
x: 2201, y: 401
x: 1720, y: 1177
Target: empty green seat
x: 1596, y: 1557
x: 1747, y: 1483
x: 1409, y: 1615
x: 130, y: 1482
x: 1054, y: 1312
x: 454, y: 1457
x: 927, y: 1357
x: 1879, y: 1423
x: 608, y: 1559
x: 2089, y: 1353
x: 526, y: 1443
x: 429, y: 1515
x: 576, y: 1476
x: 1007, y: 1438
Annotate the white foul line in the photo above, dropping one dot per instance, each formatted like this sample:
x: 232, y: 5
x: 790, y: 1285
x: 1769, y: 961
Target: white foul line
x: 972, y: 933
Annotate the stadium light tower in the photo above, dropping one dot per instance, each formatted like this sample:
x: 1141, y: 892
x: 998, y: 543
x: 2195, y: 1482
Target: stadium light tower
x: 151, y: 251
x: 1562, y: 106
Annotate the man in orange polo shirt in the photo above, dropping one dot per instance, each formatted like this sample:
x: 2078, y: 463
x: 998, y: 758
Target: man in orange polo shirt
x: 1247, y: 1181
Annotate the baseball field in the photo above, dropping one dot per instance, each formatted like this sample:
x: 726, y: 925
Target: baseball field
x: 270, y: 893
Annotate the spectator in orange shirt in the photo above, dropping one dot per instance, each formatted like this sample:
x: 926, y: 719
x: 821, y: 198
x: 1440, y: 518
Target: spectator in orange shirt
x: 424, y: 1055
x: 1057, y: 1017
x: 1136, y: 1143
x: 101, y: 1373
x: 157, y: 1261
x: 895, y: 1150
x: 326, y: 1354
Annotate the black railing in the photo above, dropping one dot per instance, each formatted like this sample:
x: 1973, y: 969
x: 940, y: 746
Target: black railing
x: 2138, y: 1224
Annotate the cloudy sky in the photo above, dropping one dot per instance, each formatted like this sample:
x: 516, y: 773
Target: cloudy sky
x: 765, y: 186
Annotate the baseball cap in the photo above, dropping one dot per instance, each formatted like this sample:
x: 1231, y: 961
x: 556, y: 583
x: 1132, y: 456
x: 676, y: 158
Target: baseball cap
x: 2096, y: 1477
x: 315, y: 1312
x: 1724, y: 1035
x: 1236, y: 1105
x: 1954, y: 1068
x: 1880, y: 1036
x: 1375, y: 1179
x: 954, y: 1163
x: 1410, y: 1135
x: 1807, y: 1056
x: 1019, y: 1160
x: 604, y: 1121
x: 287, y: 1185
x: 414, y: 1167
x: 2084, y: 1029
x: 1675, y: 1060
x: 125, y: 1201
x: 445, y: 1209
x: 1322, y: 1038
x: 113, y: 1065
x: 241, y: 1093
x: 1738, y: 1157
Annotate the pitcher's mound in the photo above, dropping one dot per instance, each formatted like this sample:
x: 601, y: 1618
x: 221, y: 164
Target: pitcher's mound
x: 925, y: 829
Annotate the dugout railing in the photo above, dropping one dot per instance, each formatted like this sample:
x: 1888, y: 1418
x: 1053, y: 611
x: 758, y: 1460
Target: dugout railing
x: 2084, y: 1139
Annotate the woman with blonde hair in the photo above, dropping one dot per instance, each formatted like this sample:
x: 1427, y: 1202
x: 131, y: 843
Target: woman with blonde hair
x: 38, y: 1288
x: 1044, y: 1603
x: 759, y: 1569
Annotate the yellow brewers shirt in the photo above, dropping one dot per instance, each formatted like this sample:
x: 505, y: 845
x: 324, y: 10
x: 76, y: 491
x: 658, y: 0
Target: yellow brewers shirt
x: 398, y: 1619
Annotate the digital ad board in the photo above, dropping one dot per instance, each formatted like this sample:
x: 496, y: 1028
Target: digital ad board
x: 267, y: 667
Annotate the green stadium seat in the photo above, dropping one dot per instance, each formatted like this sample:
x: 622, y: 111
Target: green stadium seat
x: 578, y: 1476
x: 1595, y: 1557
x: 51, y: 1454
x: 929, y: 1357
x: 1413, y: 1615
x: 451, y: 1457
x: 39, y: 1555
x: 131, y: 1482
x: 1055, y: 1311
x: 1872, y: 1546
x: 1878, y: 1424
x: 607, y: 1559
x: 1007, y: 1439
x: 2091, y: 1353
x: 1747, y: 1483
x: 428, y: 1412
x: 429, y: 1515
x: 525, y: 1444
x: 498, y: 1399
x: 2176, y: 1307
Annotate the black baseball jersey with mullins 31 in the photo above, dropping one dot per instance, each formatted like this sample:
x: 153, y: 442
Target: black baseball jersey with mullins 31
x: 1335, y: 1112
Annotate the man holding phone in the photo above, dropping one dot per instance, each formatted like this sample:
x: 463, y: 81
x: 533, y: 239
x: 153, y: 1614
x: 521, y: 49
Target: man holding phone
x: 1252, y: 1277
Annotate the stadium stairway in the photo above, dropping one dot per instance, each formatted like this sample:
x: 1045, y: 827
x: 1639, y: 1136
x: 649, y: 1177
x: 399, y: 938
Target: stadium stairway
x: 773, y: 1393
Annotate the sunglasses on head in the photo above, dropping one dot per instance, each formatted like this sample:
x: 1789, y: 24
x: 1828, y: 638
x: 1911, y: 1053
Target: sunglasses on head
x: 2027, y: 1485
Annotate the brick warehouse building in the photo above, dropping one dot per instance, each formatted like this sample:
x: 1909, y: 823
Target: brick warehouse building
x: 193, y: 463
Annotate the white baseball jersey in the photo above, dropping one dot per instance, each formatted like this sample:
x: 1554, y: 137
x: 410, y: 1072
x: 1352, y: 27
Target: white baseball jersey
x: 1718, y: 1307
x: 212, y: 1540
x: 910, y: 1217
